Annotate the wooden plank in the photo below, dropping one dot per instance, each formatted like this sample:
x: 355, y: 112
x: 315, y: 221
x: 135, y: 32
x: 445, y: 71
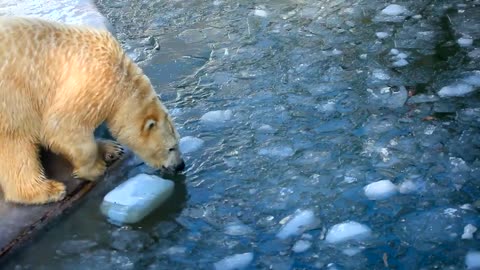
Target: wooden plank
x: 18, y: 223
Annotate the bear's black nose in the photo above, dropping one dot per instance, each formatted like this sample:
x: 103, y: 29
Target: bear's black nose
x: 180, y: 167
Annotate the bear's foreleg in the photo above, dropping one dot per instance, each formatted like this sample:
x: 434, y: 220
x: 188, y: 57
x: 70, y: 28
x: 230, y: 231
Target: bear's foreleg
x: 22, y: 177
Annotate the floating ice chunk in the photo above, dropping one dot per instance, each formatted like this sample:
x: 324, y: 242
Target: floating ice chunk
x: 400, y: 63
x: 473, y: 79
x: 465, y: 41
x: 382, y: 35
x: 216, y: 116
x: 260, y: 13
x: 237, y: 229
x: 380, y: 75
x: 190, y: 144
x: 347, y: 231
x: 336, y: 52
x: 363, y: 56
x: 380, y: 190
x: 394, y: 10
x: 456, y: 90
x: 137, y: 197
x: 417, y: 16
x: 352, y: 251
x: 301, y: 246
x: 407, y: 187
x: 235, y: 262
x: 472, y: 260
x: 277, y: 151
x: 468, y: 231
x: 394, y: 51
x: 266, y: 128
x: 299, y: 223
x: 401, y: 56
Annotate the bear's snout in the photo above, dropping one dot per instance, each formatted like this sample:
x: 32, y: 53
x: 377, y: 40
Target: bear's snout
x: 180, y: 167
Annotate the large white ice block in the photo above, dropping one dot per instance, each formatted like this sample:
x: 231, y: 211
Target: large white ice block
x: 136, y: 198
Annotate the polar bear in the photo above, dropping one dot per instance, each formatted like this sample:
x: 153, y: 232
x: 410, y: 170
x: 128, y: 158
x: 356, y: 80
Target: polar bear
x: 58, y: 83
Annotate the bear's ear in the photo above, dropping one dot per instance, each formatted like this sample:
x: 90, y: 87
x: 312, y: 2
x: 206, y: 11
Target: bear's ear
x: 149, y: 124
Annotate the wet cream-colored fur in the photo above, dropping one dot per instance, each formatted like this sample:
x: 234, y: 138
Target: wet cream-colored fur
x: 57, y: 84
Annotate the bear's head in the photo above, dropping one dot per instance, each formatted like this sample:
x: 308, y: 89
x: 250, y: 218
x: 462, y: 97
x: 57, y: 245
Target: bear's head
x: 142, y: 123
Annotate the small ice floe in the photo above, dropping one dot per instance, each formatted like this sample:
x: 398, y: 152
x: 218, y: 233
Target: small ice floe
x: 349, y: 230
x: 400, y: 63
x: 394, y: 51
x: 380, y: 74
x: 393, y: 10
x: 472, y: 260
x: 235, y: 262
x: 237, y: 228
x: 382, y: 35
x: 473, y: 78
x: 266, y: 129
x: 216, y: 116
x: 301, y: 246
x: 408, y: 187
x: 260, y: 13
x: 456, y: 90
x: 468, y: 231
x: 190, y: 144
x: 352, y: 251
x: 465, y: 41
x: 277, y: 151
x: 301, y: 221
x: 380, y: 190
x: 134, y: 199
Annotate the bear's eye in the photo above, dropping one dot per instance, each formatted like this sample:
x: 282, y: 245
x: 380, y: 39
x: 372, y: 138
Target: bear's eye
x: 172, y: 149
x: 150, y: 124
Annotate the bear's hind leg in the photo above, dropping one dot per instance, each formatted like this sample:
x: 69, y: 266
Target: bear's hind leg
x: 22, y: 177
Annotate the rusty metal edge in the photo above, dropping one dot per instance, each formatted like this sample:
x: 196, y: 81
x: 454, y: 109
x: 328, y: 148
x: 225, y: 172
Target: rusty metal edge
x: 29, y: 232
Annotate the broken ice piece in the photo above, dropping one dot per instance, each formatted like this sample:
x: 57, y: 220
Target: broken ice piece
x: 380, y: 190
x: 136, y: 198
x: 234, y: 262
x: 190, y: 144
x: 299, y: 223
x: 468, y: 231
x: 394, y: 10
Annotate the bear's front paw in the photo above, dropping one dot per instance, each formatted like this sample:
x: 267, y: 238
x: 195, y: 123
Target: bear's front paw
x: 110, y: 151
x: 91, y: 173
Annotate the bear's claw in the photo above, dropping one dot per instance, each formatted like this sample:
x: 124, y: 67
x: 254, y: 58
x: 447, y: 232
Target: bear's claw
x: 111, y: 151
